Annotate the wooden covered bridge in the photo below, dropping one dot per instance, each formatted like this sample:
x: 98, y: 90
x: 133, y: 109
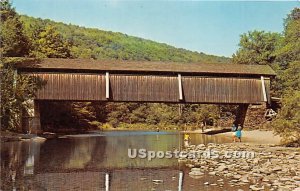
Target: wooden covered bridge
x: 129, y: 81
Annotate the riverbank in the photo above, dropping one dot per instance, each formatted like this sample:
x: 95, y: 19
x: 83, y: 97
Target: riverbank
x: 248, y: 136
x: 258, y: 137
x: 260, y: 166
x: 7, y: 136
x: 255, y: 136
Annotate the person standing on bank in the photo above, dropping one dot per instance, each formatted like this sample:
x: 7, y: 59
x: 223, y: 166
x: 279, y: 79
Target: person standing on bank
x: 233, y: 130
x: 238, y: 133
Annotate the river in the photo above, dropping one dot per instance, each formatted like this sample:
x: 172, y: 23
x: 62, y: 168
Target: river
x: 100, y: 161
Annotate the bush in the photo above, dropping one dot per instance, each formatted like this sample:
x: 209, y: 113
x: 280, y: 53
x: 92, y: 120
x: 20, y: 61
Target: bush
x: 107, y: 126
x: 287, y: 122
x: 95, y: 124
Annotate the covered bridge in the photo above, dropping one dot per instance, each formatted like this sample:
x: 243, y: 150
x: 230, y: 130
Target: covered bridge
x: 143, y: 81
x: 91, y: 80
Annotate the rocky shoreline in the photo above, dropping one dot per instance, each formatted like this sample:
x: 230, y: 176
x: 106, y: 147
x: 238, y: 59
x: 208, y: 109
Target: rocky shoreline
x: 261, y: 167
x: 11, y: 137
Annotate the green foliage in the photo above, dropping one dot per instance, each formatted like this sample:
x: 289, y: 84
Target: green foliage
x: 291, y: 77
x: 16, y: 92
x: 287, y: 123
x: 99, y: 44
x: 95, y: 124
x: 257, y: 47
x: 13, y: 40
x: 106, y: 126
x: 206, y: 114
x: 118, y: 112
x: 288, y: 55
x: 83, y: 113
x: 290, y: 49
x: 50, y: 44
x: 160, y: 115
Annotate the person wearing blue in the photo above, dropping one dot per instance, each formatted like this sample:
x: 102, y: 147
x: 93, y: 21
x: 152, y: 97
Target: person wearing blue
x: 238, y: 133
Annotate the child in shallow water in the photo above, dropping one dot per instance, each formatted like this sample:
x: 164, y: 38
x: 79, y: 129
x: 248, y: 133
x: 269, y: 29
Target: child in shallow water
x: 186, y: 140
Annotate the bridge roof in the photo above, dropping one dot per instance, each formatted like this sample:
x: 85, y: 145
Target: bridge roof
x: 56, y: 64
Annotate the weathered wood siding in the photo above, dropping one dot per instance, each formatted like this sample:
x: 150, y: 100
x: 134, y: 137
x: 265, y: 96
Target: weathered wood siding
x: 148, y: 88
x: 151, y: 88
x: 72, y: 86
x: 222, y: 90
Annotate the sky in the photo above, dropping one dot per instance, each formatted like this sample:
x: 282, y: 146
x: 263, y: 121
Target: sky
x: 212, y: 27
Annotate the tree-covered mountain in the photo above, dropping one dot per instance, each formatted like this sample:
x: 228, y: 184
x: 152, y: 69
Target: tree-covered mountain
x: 100, y: 44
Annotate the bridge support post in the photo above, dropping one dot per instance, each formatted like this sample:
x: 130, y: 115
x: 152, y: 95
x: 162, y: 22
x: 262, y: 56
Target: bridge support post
x: 25, y: 121
x: 36, y: 122
x: 30, y: 118
x: 241, y: 114
x: 27, y: 117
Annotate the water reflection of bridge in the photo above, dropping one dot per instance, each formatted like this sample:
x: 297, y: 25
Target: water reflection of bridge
x: 117, y: 81
x: 134, y: 179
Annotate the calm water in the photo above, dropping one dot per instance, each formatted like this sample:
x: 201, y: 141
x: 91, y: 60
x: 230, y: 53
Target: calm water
x: 82, y: 162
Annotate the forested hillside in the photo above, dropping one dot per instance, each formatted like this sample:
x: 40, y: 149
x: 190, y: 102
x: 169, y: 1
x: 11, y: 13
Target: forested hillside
x: 100, y: 44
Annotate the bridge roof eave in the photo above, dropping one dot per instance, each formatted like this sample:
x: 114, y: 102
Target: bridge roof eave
x: 88, y: 65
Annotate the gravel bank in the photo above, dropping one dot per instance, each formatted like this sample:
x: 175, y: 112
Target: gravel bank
x: 270, y: 168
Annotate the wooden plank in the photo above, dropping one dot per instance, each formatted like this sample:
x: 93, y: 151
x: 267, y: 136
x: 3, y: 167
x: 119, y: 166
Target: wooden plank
x: 263, y: 88
x: 107, y: 85
x: 180, y: 87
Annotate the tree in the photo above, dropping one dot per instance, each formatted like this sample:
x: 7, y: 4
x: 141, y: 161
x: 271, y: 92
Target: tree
x: 50, y: 44
x: 257, y: 47
x: 206, y: 113
x: 290, y: 49
x: 287, y: 123
x: 290, y: 78
x: 117, y: 113
x: 16, y: 91
x: 14, y: 43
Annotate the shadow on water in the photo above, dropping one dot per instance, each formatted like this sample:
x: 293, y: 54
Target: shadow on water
x: 73, y: 161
